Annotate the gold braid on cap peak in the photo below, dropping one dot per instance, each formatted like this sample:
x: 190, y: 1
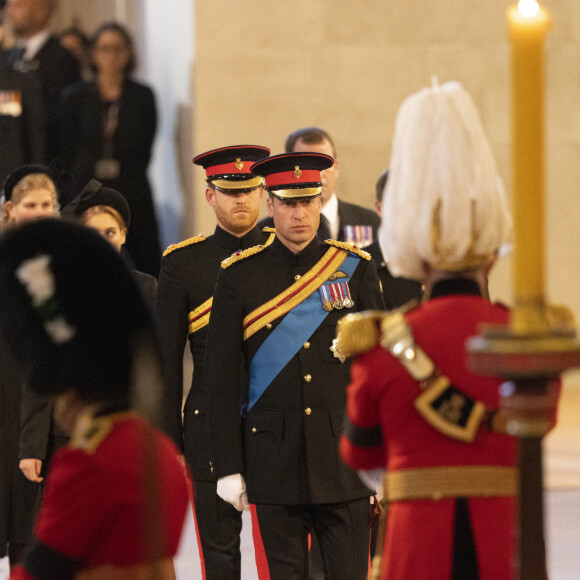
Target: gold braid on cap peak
x: 184, y: 243
x: 444, y: 260
x: 349, y: 248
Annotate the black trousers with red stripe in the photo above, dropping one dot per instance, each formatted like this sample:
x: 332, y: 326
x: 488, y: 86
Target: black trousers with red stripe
x: 343, y: 532
x: 218, y: 526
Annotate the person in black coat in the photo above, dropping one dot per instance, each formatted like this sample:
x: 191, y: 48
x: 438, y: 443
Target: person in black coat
x: 339, y: 220
x: 107, y: 128
x: 396, y: 291
x: 274, y: 438
x: 22, y: 122
x: 105, y: 210
x: 40, y: 55
x: 188, y: 274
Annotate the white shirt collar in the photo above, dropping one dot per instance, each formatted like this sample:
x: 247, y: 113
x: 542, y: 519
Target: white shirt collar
x: 330, y: 212
x: 34, y: 43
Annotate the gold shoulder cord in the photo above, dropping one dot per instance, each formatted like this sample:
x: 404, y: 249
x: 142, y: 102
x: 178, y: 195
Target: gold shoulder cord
x: 184, y: 243
x: 349, y: 248
x: 248, y: 252
x: 441, y: 404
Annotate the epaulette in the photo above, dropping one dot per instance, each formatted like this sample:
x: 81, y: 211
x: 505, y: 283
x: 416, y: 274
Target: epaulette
x: 184, y: 243
x: 242, y: 255
x: 349, y: 248
x: 362, y: 331
x: 269, y: 230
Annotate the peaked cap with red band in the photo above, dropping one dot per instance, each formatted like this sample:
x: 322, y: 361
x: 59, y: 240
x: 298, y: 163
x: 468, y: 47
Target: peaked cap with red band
x: 228, y: 168
x: 293, y: 175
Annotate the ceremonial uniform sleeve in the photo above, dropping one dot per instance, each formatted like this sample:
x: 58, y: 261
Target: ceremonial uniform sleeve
x: 171, y: 314
x: 223, y: 362
x: 370, y: 295
x: 361, y: 443
x: 73, y: 514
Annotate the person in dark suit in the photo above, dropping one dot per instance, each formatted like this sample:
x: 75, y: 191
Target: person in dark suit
x: 107, y: 211
x: 274, y: 437
x: 39, y: 54
x: 188, y: 274
x: 397, y: 291
x: 339, y: 220
x: 107, y: 128
x: 22, y: 122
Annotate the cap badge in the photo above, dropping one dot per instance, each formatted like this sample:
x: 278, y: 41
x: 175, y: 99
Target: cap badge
x: 239, y: 165
x: 297, y: 172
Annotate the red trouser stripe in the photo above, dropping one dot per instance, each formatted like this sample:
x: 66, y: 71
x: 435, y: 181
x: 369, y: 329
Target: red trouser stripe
x: 259, y: 552
x: 191, y: 492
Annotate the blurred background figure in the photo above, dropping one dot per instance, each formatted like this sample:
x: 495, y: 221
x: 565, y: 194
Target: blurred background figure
x: 84, y: 337
x: 22, y: 126
x: 107, y: 128
x: 28, y: 194
x: 38, y: 53
x: 78, y: 44
x: 396, y: 291
x: 106, y: 211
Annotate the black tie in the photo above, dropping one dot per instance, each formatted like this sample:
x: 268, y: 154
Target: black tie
x: 324, y: 228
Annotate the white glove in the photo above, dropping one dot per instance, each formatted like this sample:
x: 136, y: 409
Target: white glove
x: 232, y: 488
x: 373, y: 479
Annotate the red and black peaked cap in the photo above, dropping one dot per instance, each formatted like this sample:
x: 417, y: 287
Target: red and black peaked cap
x: 228, y: 168
x: 293, y: 175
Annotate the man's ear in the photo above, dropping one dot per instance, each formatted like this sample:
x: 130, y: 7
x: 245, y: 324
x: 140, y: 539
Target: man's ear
x: 270, y: 206
x: 210, y: 195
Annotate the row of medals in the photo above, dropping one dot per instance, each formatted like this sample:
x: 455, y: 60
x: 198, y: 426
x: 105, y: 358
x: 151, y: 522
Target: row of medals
x: 338, y: 304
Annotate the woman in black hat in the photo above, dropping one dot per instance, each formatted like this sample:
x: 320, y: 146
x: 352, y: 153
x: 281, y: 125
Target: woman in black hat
x: 29, y: 193
x: 116, y: 496
x: 107, y: 211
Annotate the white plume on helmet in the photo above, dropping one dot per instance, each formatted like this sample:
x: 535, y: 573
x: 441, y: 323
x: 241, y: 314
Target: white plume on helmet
x: 444, y: 202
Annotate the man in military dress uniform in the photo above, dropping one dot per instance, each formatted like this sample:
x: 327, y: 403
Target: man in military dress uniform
x: 339, y: 220
x: 275, y: 314
x: 184, y: 302
x: 414, y: 407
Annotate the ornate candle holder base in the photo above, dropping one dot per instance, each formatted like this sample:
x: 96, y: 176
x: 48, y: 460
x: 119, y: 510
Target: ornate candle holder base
x: 531, y: 366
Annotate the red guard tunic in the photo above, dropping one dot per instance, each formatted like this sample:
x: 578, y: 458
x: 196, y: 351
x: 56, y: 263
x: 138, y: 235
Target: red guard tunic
x: 420, y: 534
x: 92, y: 523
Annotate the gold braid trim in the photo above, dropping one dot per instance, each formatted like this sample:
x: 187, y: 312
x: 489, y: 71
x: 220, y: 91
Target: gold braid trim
x: 349, y: 248
x: 184, y: 243
x: 269, y: 230
x: 452, y: 481
x: 248, y: 252
x: 295, y: 294
x: 199, y: 317
x: 360, y: 332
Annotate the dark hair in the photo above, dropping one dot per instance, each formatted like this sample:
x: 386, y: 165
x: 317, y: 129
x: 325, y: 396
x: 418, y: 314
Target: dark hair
x: 310, y: 135
x: 380, y: 185
x: 127, y: 39
x: 76, y: 31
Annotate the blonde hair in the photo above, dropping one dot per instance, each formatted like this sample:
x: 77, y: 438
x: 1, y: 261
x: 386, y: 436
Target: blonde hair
x: 28, y: 183
x: 104, y: 209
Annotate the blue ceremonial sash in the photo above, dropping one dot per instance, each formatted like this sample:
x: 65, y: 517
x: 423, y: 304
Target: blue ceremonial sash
x: 288, y: 337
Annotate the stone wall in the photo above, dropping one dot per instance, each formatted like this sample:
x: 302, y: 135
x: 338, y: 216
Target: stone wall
x: 266, y: 67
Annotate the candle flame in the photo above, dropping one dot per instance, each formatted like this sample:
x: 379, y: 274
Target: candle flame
x: 528, y: 8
